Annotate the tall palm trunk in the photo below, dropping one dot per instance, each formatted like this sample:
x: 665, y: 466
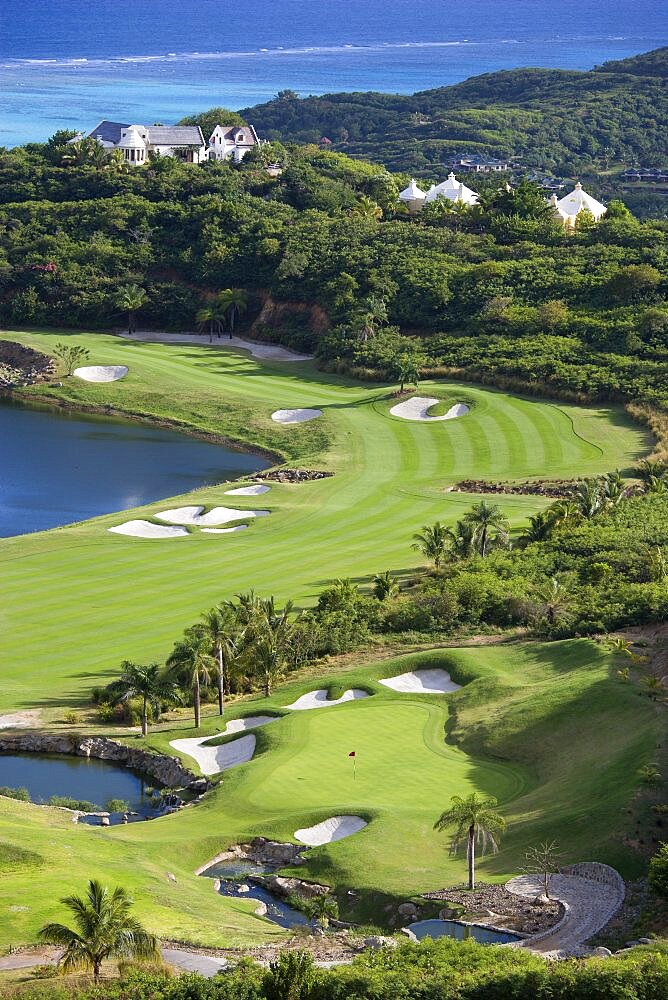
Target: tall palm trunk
x: 144, y: 719
x: 96, y: 970
x: 196, y: 701
x: 483, y: 546
x: 221, y: 681
x: 471, y: 853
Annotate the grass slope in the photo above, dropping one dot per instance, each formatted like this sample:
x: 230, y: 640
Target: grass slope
x: 546, y: 728
x: 76, y: 601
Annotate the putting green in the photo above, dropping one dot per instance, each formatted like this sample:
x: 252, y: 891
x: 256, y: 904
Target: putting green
x: 76, y: 601
x: 544, y: 728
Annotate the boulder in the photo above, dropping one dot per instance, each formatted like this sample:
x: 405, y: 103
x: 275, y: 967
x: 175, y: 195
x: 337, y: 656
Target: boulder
x: 407, y: 910
x: 243, y: 887
x: 645, y: 940
x: 380, y: 941
x: 602, y: 953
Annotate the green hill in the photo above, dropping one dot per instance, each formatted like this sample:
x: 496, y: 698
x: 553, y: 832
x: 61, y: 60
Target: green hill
x: 555, y: 120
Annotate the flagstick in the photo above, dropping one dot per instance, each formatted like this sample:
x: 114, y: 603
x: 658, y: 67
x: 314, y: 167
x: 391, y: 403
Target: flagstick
x: 354, y: 767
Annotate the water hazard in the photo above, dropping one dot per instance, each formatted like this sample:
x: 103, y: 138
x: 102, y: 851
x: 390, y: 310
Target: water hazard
x: 58, y: 467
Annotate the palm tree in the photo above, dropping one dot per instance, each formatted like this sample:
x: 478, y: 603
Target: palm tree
x: 104, y: 929
x: 130, y: 298
x: 540, y: 528
x: 433, y: 542
x: 484, y: 517
x: 191, y: 659
x: 563, y: 511
x: 613, y: 488
x: 658, y: 565
x: 474, y: 819
x: 555, y: 602
x: 385, y: 585
x: 233, y: 302
x: 372, y: 314
x: 149, y: 684
x: 269, y: 642
x: 463, y: 540
x: 205, y: 319
x: 71, y: 356
x: 588, y: 497
x: 367, y: 209
x: 218, y: 623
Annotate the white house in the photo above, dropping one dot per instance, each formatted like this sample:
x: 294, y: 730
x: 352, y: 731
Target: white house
x: 453, y: 190
x: 137, y: 141
x: 231, y: 142
x: 568, y: 207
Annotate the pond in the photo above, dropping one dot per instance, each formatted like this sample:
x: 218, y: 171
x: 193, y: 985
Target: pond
x: 60, y: 467
x: 233, y: 874
x: 461, y: 932
x: 85, y: 779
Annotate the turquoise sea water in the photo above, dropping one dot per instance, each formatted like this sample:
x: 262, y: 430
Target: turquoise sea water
x: 68, y: 63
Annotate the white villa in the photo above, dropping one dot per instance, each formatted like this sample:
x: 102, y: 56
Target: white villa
x: 136, y: 142
x: 566, y: 208
x: 231, y: 142
x: 452, y: 189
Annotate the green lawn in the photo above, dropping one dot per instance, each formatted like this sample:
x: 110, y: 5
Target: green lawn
x: 544, y: 728
x: 76, y: 601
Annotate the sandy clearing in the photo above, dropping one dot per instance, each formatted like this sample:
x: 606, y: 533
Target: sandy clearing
x: 144, y: 529
x: 334, y: 828
x: 295, y: 416
x: 434, y: 681
x: 20, y: 720
x: 417, y: 408
x: 267, y: 352
x: 216, y: 516
x: 248, y: 491
x: 101, y: 373
x: 213, y: 760
x: 319, y: 699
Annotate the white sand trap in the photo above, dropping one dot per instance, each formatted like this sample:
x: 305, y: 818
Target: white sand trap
x: 250, y: 722
x: 215, y: 517
x: 20, y: 720
x: 248, y: 491
x: 295, y: 416
x: 319, y: 699
x: 417, y: 408
x: 268, y: 352
x: 224, y: 531
x: 435, y: 681
x: 101, y: 373
x: 213, y: 760
x: 334, y: 828
x: 144, y: 529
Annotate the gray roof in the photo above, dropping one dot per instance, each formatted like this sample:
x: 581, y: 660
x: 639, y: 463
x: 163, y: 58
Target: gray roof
x: 108, y: 131
x: 175, y: 135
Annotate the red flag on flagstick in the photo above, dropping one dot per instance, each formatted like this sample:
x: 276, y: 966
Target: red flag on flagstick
x: 352, y: 754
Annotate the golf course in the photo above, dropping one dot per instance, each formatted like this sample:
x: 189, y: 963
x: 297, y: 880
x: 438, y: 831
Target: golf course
x: 543, y: 727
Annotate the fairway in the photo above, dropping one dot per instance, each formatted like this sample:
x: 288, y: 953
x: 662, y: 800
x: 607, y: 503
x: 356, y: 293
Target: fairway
x: 76, y: 601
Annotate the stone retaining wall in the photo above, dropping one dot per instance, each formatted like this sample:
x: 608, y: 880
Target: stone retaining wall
x: 168, y: 771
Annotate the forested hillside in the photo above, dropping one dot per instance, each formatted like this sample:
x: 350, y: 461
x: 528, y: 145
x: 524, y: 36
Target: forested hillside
x: 555, y: 120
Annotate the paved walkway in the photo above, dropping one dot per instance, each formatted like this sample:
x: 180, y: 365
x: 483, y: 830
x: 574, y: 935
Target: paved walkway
x: 588, y: 904
x: 189, y: 961
x: 267, y: 352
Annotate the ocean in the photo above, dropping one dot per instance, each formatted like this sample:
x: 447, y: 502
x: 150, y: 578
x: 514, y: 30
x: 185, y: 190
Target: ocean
x: 69, y: 63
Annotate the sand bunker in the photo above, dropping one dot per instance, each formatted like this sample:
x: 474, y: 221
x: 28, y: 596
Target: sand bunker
x: 216, y: 516
x: 417, y: 408
x: 213, y: 760
x: 319, y: 699
x: 144, y: 529
x: 250, y: 722
x: 434, y: 681
x: 295, y: 416
x: 334, y: 828
x: 101, y: 373
x: 224, y: 531
x: 20, y: 720
x: 248, y: 491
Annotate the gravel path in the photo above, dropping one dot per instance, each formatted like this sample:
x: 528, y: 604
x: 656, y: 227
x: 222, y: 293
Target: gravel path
x: 189, y: 961
x: 268, y: 352
x: 589, y: 904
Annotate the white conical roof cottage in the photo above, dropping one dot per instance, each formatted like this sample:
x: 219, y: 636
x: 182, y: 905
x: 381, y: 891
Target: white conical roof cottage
x: 577, y: 201
x: 413, y: 196
x: 453, y: 190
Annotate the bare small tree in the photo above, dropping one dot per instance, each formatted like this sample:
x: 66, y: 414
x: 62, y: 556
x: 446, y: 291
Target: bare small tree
x: 544, y: 860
